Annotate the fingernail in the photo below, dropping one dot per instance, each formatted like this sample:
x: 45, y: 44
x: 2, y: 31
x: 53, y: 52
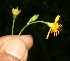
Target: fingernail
x: 26, y: 36
x: 16, y: 47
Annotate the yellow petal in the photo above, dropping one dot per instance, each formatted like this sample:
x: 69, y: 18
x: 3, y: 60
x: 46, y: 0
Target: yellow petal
x: 57, y: 18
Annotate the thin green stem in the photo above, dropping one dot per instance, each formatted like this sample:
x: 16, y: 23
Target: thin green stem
x: 30, y: 24
x: 13, y: 25
x: 23, y: 29
x: 38, y: 22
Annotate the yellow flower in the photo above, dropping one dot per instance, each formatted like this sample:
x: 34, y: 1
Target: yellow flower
x: 15, y: 11
x: 54, y: 27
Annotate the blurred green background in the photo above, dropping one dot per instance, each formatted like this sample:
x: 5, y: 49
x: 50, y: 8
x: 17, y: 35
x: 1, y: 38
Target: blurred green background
x: 52, y: 49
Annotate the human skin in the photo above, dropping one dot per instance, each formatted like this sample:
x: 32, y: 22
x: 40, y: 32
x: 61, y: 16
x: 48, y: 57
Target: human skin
x: 16, y: 48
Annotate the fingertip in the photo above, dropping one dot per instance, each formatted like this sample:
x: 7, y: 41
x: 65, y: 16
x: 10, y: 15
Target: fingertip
x: 28, y: 39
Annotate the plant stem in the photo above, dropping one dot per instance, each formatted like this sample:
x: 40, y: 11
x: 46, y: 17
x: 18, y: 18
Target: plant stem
x: 13, y: 25
x: 22, y: 29
x: 39, y: 22
x: 30, y: 24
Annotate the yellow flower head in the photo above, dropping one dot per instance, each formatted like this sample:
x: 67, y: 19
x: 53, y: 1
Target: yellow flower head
x: 54, y: 27
x: 15, y: 11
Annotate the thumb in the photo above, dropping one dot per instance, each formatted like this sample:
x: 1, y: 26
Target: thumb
x: 18, y: 46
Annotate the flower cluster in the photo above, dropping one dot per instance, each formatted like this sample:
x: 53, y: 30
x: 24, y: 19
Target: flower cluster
x: 54, y: 27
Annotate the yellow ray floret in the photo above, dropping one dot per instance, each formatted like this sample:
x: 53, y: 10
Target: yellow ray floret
x: 15, y: 11
x: 54, y: 27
